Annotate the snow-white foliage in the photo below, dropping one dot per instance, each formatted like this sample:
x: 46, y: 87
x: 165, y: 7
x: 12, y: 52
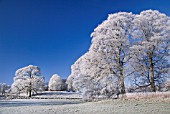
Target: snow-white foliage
x: 89, y: 75
x: 28, y: 78
x: 113, y: 34
x: 111, y: 38
x: 167, y: 85
x: 84, y: 66
x: 56, y: 83
x: 19, y: 86
x: 105, y: 59
x: 152, y: 31
x: 119, y: 41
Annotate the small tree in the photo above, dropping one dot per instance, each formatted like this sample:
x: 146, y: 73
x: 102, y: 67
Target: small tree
x: 3, y: 87
x: 56, y: 83
x: 28, y: 79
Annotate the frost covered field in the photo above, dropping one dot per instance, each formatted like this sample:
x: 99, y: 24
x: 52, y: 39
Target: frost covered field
x: 158, y: 103
x: 60, y: 106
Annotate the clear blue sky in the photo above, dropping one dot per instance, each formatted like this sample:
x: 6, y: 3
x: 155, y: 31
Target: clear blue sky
x: 53, y: 34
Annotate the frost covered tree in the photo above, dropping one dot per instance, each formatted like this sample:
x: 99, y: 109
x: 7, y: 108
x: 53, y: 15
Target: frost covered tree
x: 84, y: 69
x: 28, y: 79
x: 167, y: 85
x: 56, y: 83
x: 152, y: 31
x: 19, y: 86
x: 113, y: 51
x: 111, y: 39
x: 91, y: 75
x: 3, y: 87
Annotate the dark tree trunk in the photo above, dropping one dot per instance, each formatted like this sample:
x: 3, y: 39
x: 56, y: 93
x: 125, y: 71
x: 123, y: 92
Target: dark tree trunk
x: 152, y: 75
x: 122, y: 85
x: 121, y: 77
x: 30, y: 86
x: 29, y: 91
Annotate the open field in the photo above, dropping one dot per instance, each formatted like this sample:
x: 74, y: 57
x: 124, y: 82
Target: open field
x: 68, y: 106
x: 60, y: 102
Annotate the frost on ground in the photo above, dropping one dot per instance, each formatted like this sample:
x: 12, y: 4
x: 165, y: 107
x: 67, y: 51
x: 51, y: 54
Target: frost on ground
x: 134, y: 103
x: 50, y: 95
x: 59, y: 95
x: 68, y: 106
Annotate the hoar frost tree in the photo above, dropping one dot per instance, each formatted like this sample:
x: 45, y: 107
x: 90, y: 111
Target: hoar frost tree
x: 91, y: 76
x: 3, y: 87
x: 115, y: 54
x: 56, y: 83
x: 111, y: 38
x: 28, y: 79
x: 167, y: 85
x: 152, y: 31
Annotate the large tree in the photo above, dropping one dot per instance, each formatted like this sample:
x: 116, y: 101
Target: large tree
x: 28, y: 79
x: 87, y: 68
x: 152, y: 30
x: 111, y: 39
x: 91, y: 75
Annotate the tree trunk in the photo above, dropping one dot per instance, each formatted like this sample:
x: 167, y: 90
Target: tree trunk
x: 30, y: 86
x: 152, y: 75
x: 29, y: 91
x: 121, y: 77
x: 122, y: 85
